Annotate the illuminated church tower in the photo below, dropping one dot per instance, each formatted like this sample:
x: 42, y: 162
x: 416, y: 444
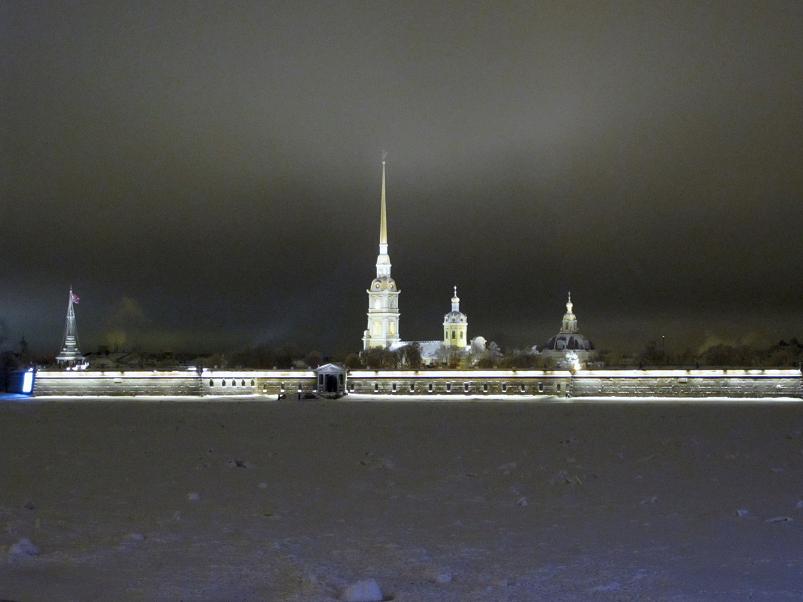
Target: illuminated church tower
x: 70, y: 355
x: 569, y: 323
x: 455, y: 325
x: 383, y: 295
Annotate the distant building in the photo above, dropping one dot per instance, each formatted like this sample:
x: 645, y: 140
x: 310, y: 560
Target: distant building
x: 569, y: 339
x: 70, y: 355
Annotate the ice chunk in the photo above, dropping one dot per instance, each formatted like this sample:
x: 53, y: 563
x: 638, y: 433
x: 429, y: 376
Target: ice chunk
x: 742, y: 512
x: 23, y: 548
x: 779, y: 519
x: 362, y: 591
x: 193, y: 496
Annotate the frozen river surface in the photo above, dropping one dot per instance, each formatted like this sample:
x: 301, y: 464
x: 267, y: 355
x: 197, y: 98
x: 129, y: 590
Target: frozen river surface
x: 228, y: 501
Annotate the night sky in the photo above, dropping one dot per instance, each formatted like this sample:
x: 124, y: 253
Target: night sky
x: 206, y: 175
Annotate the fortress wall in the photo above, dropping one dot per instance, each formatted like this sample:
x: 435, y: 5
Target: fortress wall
x: 497, y: 383
x: 58, y: 383
x: 608, y: 383
x: 53, y: 383
x: 690, y: 385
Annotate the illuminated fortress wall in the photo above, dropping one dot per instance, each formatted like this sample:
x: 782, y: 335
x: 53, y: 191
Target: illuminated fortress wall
x: 291, y: 383
x: 173, y: 383
x: 688, y: 383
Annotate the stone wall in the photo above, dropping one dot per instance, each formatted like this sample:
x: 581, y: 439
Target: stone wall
x: 156, y: 383
x: 459, y: 382
x: 292, y: 384
x: 687, y: 383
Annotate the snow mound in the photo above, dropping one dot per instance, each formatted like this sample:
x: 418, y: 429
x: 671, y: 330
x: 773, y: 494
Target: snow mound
x: 23, y: 548
x: 362, y: 591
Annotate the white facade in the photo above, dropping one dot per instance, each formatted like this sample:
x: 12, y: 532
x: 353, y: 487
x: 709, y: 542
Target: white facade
x: 382, y: 329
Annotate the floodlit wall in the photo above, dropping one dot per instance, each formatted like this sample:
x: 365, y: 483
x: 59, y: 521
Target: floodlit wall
x: 462, y: 382
x: 295, y: 384
x: 687, y: 383
x: 173, y: 383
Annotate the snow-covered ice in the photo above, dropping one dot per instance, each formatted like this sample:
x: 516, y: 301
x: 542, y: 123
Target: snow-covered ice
x: 441, y: 501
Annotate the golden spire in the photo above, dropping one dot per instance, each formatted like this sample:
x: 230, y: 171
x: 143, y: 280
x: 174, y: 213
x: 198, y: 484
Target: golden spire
x: 383, y: 217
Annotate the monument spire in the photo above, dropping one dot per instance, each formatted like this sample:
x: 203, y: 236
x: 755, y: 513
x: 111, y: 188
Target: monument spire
x: 70, y: 354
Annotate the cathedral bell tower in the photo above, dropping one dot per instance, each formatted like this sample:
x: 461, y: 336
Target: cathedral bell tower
x: 383, y: 295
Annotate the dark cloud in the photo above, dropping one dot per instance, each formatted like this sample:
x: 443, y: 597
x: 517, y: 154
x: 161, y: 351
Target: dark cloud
x: 219, y: 164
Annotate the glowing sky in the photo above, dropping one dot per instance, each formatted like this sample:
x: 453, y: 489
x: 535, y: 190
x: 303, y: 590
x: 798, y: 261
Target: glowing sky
x: 206, y: 175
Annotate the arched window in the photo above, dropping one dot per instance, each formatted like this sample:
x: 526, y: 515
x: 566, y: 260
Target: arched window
x: 211, y: 382
x: 233, y: 383
x: 253, y: 382
x: 222, y: 383
x: 243, y: 383
x: 453, y: 333
x: 461, y: 334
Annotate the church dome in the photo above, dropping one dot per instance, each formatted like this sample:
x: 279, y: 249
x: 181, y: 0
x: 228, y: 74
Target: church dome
x: 455, y: 317
x: 385, y: 283
x: 567, y: 341
x: 569, y: 337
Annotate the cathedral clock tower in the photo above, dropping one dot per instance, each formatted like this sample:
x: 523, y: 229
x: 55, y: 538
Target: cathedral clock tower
x: 383, y: 294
